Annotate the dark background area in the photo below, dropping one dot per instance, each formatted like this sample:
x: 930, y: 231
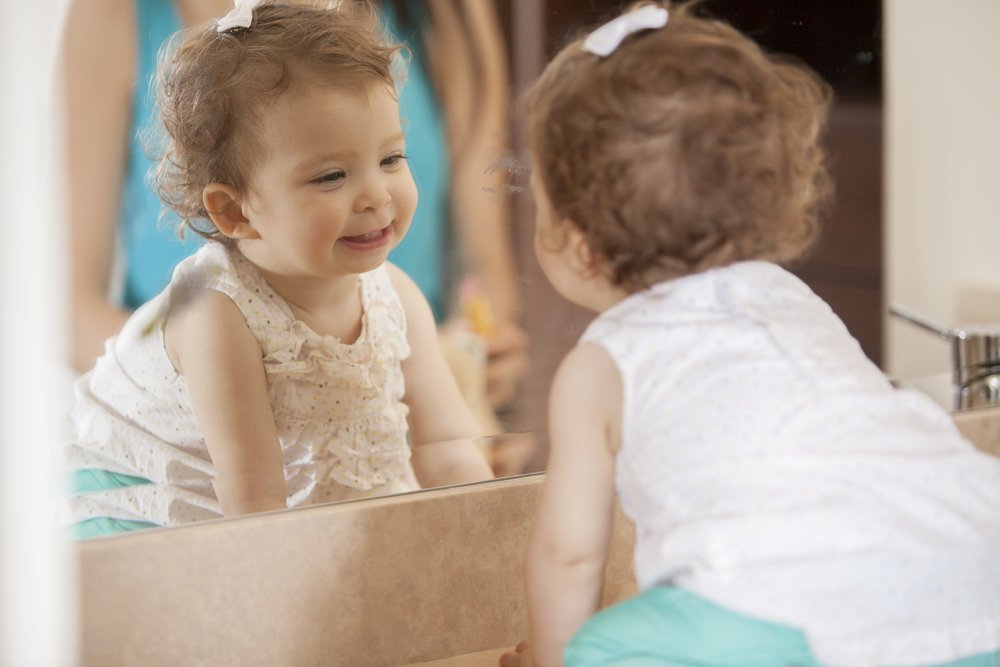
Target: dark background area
x: 841, y: 40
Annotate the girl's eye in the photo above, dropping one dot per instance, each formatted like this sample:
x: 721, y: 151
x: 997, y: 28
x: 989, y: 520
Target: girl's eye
x: 393, y: 160
x: 332, y: 177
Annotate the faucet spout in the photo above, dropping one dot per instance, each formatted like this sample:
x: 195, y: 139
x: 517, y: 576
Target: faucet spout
x: 921, y: 321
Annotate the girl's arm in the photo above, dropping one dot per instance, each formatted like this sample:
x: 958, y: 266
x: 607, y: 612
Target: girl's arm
x: 96, y: 60
x: 209, y: 343
x: 441, y: 425
x: 568, y: 548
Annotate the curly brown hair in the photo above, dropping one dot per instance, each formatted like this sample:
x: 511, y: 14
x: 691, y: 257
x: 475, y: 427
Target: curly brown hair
x: 213, y: 89
x: 687, y: 148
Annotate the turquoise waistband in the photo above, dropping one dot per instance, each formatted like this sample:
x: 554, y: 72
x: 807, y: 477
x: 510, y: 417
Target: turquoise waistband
x: 668, y: 626
x: 91, y: 480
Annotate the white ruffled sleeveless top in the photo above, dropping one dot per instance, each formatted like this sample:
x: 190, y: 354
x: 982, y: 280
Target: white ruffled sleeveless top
x: 337, y: 407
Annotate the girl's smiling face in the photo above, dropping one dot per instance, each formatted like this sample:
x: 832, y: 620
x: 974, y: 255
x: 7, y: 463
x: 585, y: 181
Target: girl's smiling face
x: 332, y: 194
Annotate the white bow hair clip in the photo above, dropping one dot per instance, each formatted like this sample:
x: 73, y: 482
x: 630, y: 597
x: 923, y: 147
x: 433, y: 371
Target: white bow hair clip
x: 608, y: 37
x: 240, y: 16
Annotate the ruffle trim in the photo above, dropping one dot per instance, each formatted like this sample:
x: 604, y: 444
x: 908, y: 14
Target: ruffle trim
x: 361, y: 454
x: 364, y: 473
x: 161, y: 504
x: 297, y: 352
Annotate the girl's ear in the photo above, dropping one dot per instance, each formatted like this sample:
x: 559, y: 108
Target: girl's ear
x: 580, y: 254
x: 222, y: 204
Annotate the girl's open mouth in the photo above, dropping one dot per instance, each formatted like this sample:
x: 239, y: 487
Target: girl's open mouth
x: 368, y: 240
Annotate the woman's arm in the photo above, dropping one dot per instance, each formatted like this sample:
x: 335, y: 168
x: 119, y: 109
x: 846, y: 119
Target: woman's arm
x: 96, y: 77
x: 568, y: 548
x: 209, y: 343
x: 469, y: 64
x: 441, y: 425
x: 480, y: 200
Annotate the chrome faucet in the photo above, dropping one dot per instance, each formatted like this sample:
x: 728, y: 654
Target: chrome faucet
x: 975, y: 356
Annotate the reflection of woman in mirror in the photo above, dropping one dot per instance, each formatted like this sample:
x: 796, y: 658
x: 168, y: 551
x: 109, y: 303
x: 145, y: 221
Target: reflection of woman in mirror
x: 455, y: 105
x: 271, y: 370
x: 791, y: 507
x: 109, y: 52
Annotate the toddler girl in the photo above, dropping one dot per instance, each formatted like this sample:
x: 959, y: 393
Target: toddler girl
x: 791, y: 507
x: 283, y: 362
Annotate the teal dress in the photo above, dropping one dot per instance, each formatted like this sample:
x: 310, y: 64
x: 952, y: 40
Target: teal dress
x: 149, y: 243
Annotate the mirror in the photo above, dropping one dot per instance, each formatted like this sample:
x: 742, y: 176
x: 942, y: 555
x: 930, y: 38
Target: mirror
x: 842, y: 42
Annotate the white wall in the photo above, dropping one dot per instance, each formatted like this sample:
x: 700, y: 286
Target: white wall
x: 36, y: 620
x: 942, y: 89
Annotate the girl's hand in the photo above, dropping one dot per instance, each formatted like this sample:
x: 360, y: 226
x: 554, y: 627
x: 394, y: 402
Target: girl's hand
x: 519, y: 657
x: 442, y: 426
x: 513, y: 453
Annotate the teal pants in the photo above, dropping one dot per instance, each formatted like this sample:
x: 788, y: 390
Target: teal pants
x: 670, y: 627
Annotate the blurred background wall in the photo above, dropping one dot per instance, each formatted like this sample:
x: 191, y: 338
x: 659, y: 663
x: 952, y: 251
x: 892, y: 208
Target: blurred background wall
x: 942, y: 175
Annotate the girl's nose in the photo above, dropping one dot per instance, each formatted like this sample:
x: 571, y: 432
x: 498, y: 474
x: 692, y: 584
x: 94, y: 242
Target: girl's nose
x: 374, y: 194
